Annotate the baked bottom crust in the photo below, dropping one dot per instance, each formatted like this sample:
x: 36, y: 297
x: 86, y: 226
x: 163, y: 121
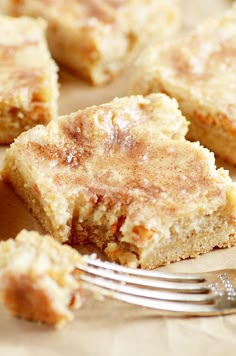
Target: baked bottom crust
x: 217, y: 231
x: 28, y: 88
x: 122, y: 175
x: 197, y: 71
x: 38, y: 280
x: 97, y: 39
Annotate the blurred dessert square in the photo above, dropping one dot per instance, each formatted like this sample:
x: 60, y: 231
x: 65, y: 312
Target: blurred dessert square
x: 198, y: 69
x: 28, y: 77
x: 96, y: 39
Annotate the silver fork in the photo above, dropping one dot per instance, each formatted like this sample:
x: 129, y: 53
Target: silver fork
x: 208, y: 293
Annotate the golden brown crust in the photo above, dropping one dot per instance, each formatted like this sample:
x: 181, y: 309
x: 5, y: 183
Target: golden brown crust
x: 125, y: 178
x: 197, y: 70
x: 28, y: 88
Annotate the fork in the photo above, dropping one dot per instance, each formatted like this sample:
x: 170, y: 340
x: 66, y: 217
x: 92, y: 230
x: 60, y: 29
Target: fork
x: 208, y: 293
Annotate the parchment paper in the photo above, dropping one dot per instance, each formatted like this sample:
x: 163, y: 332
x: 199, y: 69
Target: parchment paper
x: 111, y: 328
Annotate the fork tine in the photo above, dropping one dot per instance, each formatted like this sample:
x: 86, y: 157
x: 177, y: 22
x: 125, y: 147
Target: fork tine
x: 210, y: 293
x: 185, y: 277
x: 148, y: 293
x: 154, y: 283
x: 167, y: 306
x: 181, y: 308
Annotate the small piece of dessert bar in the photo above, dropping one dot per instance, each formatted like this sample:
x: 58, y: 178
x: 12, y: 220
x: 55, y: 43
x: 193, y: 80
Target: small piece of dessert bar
x: 37, y: 278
